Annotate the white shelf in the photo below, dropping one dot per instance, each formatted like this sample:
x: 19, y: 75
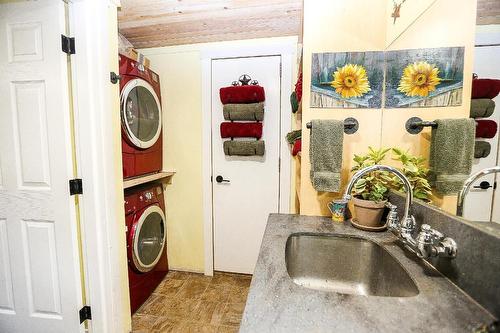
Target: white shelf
x: 131, y: 182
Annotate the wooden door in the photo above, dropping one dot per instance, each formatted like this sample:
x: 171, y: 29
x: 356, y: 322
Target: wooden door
x: 40, y: 289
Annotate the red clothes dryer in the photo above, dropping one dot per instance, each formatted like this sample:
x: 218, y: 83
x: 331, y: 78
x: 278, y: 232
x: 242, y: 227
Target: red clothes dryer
x: 146, y: 241
x: 140, y: 105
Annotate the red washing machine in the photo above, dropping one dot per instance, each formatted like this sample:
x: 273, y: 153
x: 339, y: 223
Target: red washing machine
x: 146, y: 241
x: 141, y: 119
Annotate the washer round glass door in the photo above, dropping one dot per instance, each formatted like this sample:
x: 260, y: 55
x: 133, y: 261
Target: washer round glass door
x: 148, y: 239
x: 140, y: 113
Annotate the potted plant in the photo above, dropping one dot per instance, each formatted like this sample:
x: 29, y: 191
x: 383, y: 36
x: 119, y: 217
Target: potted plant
x: 371, y: 191
x: 413, y: 168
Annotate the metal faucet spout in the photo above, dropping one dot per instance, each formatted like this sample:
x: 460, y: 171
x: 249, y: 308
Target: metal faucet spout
x: 468, y: 183
x: 379, y: 167
x: 429, y: 242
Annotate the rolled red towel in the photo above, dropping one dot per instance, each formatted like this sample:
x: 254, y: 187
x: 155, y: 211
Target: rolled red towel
x: 242, y: 94
x: 485, y: 88
x: 241, y: 130
x: 298, y: 88
x: 297, y: 147
x: 486, y: 129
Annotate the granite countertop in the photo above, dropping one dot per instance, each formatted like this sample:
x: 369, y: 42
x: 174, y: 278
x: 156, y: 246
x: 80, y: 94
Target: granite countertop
x: 276, y: 304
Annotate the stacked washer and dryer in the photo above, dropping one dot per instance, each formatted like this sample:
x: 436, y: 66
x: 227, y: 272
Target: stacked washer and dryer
x: 141, y: 118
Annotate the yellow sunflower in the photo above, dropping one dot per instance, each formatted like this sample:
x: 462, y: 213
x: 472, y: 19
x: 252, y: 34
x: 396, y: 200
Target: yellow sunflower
x: 419, y: 79
x: 351, y: 81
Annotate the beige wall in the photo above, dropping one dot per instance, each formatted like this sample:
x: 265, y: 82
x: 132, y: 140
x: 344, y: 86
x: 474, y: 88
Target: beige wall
x: 357, y: 25
x: 338, y: 26
x: 180, y: 78
x: 180, y: 73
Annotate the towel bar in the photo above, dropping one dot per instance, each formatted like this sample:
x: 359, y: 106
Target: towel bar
x: 415, y: 125
x: 351, y: 125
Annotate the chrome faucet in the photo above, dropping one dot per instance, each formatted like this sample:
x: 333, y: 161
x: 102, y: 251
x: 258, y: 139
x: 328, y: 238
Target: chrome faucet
x: 429, y: 242
x: 465, y: 189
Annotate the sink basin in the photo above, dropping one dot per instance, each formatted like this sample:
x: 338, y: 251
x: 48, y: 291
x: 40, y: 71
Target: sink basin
x: 346, y: 265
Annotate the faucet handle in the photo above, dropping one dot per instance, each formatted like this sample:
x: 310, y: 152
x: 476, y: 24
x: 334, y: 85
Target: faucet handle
x: 433, y: 243
x: 392, y: 217
x: 436, y: 235
x: 426, y: 235
x: 392, y: 207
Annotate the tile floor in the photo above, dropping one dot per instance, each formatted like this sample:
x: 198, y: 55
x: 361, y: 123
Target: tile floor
x: 190, y: 302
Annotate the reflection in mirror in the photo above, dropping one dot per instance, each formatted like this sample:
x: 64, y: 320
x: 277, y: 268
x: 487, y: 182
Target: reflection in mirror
x: 481, y: 203
x: 467, y: 138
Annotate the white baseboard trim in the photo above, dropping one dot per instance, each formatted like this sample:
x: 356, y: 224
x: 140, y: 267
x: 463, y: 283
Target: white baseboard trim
x: 187, y: 270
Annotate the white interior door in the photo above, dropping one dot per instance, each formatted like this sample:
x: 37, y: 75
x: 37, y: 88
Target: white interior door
x: 40, y: 289
x: 242, y: 205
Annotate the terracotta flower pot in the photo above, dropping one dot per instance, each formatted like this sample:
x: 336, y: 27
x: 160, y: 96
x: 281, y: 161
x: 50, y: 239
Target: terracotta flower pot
x: 369, y: 213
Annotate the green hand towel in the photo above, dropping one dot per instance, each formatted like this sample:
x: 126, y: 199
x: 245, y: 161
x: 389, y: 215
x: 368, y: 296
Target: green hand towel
x: 244, y: 148
x: 481, y: 108
x: 482, y: 149
x: 294, y: 102
x: 252, y: 111
x: 325, y: 152
x: 293, y: 136
x: 451, y: 153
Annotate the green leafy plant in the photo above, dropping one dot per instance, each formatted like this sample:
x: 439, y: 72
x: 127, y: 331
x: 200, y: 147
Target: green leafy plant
x: 413, y: 168
x: 373, y: 186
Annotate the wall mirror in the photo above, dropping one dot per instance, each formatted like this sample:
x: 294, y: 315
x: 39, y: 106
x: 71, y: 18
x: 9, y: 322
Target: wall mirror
x: 448, y: 97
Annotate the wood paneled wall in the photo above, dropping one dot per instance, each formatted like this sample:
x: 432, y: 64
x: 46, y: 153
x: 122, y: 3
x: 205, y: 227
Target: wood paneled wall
x: 488, y: 12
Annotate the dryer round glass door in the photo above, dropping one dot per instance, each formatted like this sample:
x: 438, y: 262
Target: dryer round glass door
x: 140, y: 113
x: 148, y: 239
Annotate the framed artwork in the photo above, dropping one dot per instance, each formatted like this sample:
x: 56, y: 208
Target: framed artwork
x: 424, y: 77
x: 347, y: 80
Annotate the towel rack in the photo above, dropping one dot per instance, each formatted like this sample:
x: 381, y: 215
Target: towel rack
x: 415, y: 125
x: 351, y: 125
x: 243, y: 80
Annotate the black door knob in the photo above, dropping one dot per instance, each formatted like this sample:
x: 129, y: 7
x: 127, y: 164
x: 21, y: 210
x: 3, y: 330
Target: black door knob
x: 220, y: 179
x: 484, y: 185
x: 114, y: 78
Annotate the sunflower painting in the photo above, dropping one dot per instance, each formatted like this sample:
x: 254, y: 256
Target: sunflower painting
x: 424, y: 77
x: 347, y: 80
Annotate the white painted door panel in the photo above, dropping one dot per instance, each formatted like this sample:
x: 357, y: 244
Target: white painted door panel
x: 241, y: 207
x: 40, y: 288
x: 479, y: 203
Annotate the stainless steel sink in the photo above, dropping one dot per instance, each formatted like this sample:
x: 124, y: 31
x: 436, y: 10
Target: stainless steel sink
x: 346, y: 265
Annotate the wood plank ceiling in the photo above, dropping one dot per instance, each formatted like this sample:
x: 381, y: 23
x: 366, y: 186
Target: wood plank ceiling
x: 152, y: 23
x: 488, y: 12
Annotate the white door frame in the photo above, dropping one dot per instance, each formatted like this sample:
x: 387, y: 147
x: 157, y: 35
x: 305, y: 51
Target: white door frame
x: 287, y: 49
x: 98, y: 145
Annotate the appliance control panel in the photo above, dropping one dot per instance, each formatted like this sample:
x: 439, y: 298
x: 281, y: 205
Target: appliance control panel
x: 147, y: 196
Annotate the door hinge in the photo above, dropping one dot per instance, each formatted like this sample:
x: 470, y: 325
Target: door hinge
x: 495, y: 185
x: 68, y: 44
x: 85, y: 314
x: 75, y: 186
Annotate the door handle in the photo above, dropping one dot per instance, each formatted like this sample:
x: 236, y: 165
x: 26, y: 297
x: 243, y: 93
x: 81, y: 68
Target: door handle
x: 220, y: 179
x: 484, y: 185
